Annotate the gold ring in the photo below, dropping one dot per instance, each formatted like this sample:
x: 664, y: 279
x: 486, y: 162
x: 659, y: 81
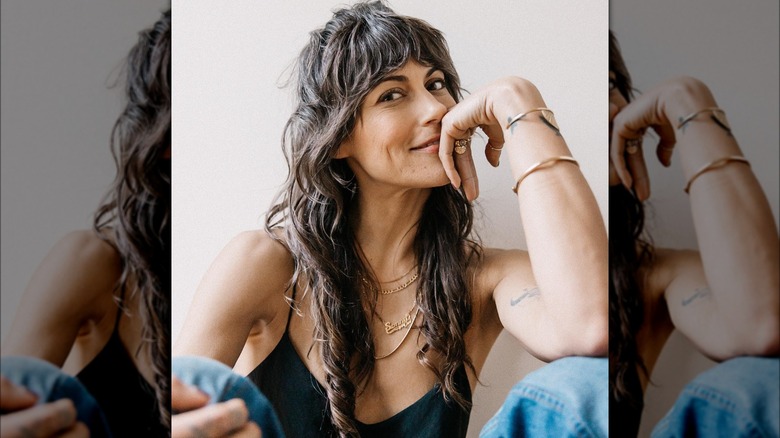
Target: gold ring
x: 632, y: 146
x: 461, y: 145
x: 497, y: 149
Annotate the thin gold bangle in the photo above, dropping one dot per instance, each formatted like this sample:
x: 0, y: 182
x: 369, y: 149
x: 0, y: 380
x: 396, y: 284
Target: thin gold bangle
x: 718, y: 115
x: 541, y: 165
x: 715, y: 165
x: 547, y: 114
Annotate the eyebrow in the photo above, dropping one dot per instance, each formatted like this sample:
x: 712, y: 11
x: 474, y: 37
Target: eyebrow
x: 402, y: 78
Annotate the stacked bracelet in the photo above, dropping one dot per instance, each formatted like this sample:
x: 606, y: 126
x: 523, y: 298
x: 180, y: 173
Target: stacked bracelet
x: 715, y: 165
x: 541, y: 165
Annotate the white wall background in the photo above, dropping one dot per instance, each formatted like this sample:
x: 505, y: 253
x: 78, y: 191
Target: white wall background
x: 733, y: 48
x: 229, y: 114
x: 58, y: 60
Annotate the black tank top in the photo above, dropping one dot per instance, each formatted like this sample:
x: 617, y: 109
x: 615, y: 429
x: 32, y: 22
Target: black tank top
x: 625, y: 415
x: 301, y: 404
x: 127, y: 400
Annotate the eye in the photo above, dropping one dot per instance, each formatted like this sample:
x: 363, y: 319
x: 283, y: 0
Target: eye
x: 436, y: 84
x: 612, y: 84
x: 391, y: 95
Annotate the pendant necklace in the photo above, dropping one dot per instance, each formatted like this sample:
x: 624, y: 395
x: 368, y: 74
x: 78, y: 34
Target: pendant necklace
x: 408, y: 330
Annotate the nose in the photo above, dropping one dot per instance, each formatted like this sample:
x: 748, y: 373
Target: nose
x: 432, y: 108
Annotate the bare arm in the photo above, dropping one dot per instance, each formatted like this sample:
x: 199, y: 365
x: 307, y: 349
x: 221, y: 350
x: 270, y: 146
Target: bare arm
x: 245, y: 284
x: 71, y: 286
x: 726, y: 298
x: 560, y: 307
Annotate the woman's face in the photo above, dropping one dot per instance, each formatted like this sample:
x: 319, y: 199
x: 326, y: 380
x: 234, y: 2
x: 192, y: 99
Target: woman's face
x: 396, y: 138
x: 616, y: 103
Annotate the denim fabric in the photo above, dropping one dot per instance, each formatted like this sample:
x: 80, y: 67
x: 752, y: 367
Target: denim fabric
x: 221, y: 384
x: 565, y: 398
x: 737, y: 398
x: 50, y: 384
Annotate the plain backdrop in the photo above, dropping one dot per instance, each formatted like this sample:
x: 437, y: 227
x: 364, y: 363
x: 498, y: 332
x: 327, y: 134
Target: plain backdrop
x: 733, y: 48
x: 58, y: 105
x: 229, y: 111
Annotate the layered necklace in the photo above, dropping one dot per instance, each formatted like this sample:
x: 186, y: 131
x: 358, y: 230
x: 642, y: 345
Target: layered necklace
x: 407, y: 321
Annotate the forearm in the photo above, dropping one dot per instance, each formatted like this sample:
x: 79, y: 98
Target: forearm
x: 736, y: 233
x: 564, y: 231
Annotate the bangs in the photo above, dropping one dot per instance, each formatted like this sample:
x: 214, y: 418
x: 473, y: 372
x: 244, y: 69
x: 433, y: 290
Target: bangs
x: 374, y: 45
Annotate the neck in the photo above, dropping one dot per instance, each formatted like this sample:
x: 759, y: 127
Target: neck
x: 385, y: 225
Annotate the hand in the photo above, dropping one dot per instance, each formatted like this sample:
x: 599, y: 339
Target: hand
x: 55, y: 419
x: 226, y: 419
x: 486, y: 109
x: 659, y: 109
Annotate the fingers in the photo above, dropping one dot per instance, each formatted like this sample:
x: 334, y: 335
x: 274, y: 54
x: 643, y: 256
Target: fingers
x: 635, y: 162
x: 467, y: 171
x: 666, y: 145
x: 218, y: 420
x: 251, y: 430
x: 79, y: 430
x: 41, y: 421
x: 14, y: 397
x: 630, y: 124
x: 459, y: 123
x: 186, y: 397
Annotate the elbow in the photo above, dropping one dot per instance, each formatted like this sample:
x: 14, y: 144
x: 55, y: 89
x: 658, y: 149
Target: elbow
x: 595, y: 339
x: 765, y: 339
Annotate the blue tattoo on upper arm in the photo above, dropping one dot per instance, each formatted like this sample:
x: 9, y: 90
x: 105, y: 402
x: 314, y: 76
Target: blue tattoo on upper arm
x: 527, y: 293
x: 701, y: 292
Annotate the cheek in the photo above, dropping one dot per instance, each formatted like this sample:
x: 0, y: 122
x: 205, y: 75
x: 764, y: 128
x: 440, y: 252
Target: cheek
x: 617, y: 99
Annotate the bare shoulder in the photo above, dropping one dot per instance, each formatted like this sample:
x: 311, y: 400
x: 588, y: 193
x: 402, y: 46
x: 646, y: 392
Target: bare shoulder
x: 254, y: 269
x: 74, y: 283
x: 80, y: 267
x: 244, y: 286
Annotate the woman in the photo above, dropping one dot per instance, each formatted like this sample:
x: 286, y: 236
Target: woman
x: 99, y: 303
x: 366, y: 307
x: 724, y: 298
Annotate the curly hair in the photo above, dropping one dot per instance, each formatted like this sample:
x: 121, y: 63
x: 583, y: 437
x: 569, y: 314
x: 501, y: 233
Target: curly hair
x: 138, y: 204
x: 342, y: 62
x: 629, y: 250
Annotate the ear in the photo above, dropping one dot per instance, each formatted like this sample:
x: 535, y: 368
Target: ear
x: 345, y: 149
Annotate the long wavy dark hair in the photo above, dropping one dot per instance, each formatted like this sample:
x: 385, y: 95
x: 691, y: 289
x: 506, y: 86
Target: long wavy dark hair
x: 137, y: 208
x: 342, y: 62
x: 629, y: 250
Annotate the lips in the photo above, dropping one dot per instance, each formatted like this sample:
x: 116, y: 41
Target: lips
x: 430, y: 145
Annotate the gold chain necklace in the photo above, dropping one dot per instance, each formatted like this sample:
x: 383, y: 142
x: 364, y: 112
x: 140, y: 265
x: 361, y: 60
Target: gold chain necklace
x: 392, y: 327
x: 396, y: 289
x: 408, y: 330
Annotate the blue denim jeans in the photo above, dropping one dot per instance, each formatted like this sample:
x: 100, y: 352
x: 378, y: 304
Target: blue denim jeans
x: 565, y: 398
x: 50, y: 384
x: 737, y: 398
x: 220, y: 383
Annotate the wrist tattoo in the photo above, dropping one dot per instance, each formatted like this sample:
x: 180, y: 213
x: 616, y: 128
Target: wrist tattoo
x: 699, y: 293
x: 527, y: 293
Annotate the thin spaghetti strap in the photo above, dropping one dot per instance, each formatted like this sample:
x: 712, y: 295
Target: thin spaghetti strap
x: 289, y: 312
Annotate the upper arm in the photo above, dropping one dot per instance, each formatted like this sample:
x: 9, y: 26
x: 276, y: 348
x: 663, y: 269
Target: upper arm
x: 69, y: 287
x: 546, y: 329
x: 517, y: 298
x: 245, y: 284
x: 717, y: 330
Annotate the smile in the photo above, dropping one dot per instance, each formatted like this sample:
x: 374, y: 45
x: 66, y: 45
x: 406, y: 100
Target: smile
x: 431, y: 146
